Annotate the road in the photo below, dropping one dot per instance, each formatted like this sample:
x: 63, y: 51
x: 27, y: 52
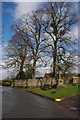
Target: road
x: 18, y: 103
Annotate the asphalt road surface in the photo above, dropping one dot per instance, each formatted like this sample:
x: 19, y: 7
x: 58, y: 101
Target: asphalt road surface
x: 18, y: 103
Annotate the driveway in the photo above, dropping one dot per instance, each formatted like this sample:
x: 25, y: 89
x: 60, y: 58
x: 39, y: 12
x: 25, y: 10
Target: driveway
x: 18, y: 103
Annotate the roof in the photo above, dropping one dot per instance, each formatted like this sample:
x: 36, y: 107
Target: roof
x: 48, y: 75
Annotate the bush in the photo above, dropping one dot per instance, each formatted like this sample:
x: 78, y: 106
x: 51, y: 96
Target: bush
x: 29, y: 74
x: 54, y: 86
x: 6, y: 83
x: 22, y: 75
x: 45, y: 86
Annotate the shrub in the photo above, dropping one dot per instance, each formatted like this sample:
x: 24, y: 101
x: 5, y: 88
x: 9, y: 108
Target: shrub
x: 29, y: 74
x: 6, y: 83
x: 22, y: 75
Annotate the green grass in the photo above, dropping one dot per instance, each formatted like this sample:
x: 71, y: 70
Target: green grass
x: 57, y: 93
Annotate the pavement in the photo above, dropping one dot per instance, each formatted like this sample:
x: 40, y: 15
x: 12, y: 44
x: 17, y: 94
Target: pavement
x: 18, y: 103
x: 72, y: 104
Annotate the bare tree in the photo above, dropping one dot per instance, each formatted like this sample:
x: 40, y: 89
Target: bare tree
x: 16, y: 54
x: 33, y: 31
x: 46, y: 30
x: 60, y: 18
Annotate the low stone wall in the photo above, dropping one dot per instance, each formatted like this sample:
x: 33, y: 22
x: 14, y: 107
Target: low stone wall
x: 20, y: 83
x: 75, y: 79
x: 33, y: 82
x: 38, y: 83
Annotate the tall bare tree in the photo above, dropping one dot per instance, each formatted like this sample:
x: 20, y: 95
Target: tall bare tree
x: 60, y: 17
x: 46, y: 30
x: 16, y: 54
x: 33, y: 31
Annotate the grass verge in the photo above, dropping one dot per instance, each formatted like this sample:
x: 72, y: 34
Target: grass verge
x: 58, y: 93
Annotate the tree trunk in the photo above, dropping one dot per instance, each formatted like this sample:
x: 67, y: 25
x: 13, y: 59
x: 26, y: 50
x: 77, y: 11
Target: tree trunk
x: 34, y: 69
x: 21, y: 68
x: 54, y: 59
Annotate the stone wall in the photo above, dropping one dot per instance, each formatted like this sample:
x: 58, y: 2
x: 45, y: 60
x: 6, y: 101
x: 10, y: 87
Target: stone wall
x: 38, y: 83
x: 33, y: 82
x: 20, y: 83
x: 75, y: 79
